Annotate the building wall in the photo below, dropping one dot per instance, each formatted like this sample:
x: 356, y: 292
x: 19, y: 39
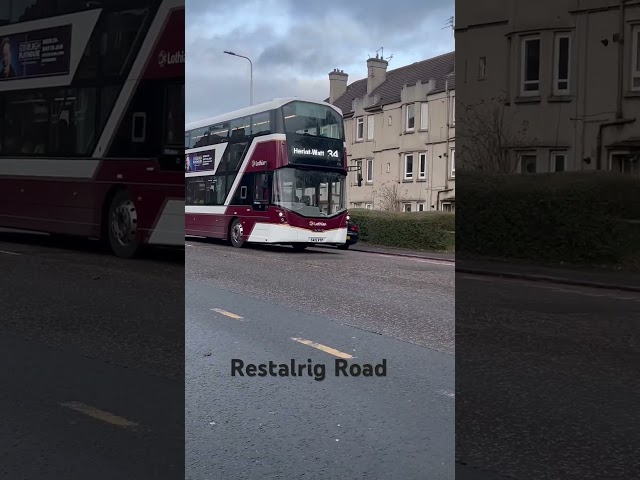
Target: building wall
x: 551, y: 123
x: 390, y: 145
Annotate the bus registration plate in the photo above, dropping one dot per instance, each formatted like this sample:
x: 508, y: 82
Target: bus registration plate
x: 316, y: 239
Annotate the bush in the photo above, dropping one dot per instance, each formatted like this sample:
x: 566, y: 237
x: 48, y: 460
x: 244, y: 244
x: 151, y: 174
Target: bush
x: 415, y: 230
x: 569, y: 217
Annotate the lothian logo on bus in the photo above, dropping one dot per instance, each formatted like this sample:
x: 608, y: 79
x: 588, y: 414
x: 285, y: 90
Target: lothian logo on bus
x: 317, y: 224
x: 259, y: 163
x: 165, y: 58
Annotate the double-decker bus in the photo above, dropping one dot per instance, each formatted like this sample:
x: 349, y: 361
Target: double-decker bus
x: 273, y: 173
x: 91, y: 119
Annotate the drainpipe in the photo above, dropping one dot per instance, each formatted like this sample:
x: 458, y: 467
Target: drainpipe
x: 620, y: 61
x: 438, y: 196
x: 446, y: 153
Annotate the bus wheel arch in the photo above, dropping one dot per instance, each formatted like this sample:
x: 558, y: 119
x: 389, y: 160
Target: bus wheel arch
x: 120, y: 223
x: 236, y: 233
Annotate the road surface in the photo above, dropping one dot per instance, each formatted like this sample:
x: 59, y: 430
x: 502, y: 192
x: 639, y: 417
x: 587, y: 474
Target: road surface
x: 547, y: 382
x: 93, y: 349
x: 266, y: 304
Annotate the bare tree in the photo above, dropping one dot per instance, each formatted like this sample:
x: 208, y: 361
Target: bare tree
x: 488, y: 136
x: 390, y: 197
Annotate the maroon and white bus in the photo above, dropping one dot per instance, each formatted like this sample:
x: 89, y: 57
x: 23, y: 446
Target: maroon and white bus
x: 91, y: 119
x: 274, y: 173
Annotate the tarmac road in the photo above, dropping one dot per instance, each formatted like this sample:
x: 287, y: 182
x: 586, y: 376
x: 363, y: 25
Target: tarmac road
x: 270, y: 303
x: 93, y: 348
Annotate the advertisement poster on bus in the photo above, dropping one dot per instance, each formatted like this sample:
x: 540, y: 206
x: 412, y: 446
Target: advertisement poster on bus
x: 200, y: 161
x: 38, y: 53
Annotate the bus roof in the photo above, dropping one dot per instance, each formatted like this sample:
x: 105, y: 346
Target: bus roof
x: 263, y: 107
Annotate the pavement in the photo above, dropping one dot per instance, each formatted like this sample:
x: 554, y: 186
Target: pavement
x: 94, y: 350
x: 271, y: 303
x: 586, y: 276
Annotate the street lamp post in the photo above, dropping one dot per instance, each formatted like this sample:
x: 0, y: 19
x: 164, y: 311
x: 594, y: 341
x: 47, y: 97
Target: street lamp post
x: 251, y: 73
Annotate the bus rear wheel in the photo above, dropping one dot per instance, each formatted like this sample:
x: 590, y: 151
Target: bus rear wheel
x: 122, y: 226
x: 236, y: 233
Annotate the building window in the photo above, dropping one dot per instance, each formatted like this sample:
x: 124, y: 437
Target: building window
x: 561, y: 66
x: 370, y: 170
x: 358, y: 170
x: 528, y: 163
x: 558, y: 161
x: 408, y: 166
x: 388, y: 168
x: 421, y: 207
x: 530, y: 61
x: 359, y: 129
x: 411, y: 117
x: 422, y: 166
x: 368, y: 206
x: 625, y: 163
x: 357, y: 205
x: 482, y: 68
x: 448, y: 207
x: 424, y: 116
x: 389, y: 121
x: 370, y: 127
x: 453, y: 162
x: 635, y: 70
x: 453, y: 110
x: 406, y: 207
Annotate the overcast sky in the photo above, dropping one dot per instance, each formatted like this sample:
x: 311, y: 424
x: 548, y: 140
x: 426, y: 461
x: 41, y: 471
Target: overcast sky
x: 294, y: 44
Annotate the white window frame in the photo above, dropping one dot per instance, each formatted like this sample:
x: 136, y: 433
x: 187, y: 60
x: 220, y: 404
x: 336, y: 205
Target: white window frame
x: 523, y: 81
x: 243, y: 192
x: 388, y: 167
x: 452, y: 161
x: 358, y: 170
x: 422, y: 174
x: 424, y: 116
x: 421, y: 207
x: 406, y: 118
x: 369, y: 173
x: 368, y: 206
x: 413, y: 164
x: 370, y: 127
x: 554, y: 155
x: 556, y: 65
x: 389, y: 121
x: 482, y: 68
x: 359, y: 123
x: 453, y: 109
x: 405, y: 205
x: 635, y: 58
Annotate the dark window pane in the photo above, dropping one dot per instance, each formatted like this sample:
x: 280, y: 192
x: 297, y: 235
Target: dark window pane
x: 120, y: 39
x: 532, y: 60
x: 563, y: 57
x: 559, y: 163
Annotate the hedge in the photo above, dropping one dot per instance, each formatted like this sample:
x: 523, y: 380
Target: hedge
x: 415, y: 230
x: 560, y: 217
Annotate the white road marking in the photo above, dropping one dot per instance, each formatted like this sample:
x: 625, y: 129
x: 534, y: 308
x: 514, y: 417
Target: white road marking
x: 226, y: 314
x: 6, y: 252
x: 447, y: 393
x: 323, y: 348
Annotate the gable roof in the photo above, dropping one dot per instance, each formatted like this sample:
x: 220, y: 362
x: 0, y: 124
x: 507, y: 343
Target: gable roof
x: 440, y: 68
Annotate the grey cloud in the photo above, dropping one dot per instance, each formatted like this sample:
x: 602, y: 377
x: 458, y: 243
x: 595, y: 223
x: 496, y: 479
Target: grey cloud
x: 323, y: 35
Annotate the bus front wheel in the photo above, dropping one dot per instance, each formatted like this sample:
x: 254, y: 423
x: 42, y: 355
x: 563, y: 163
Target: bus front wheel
x: 122, y: 226
x: 236, y: 233
x: 298, y: 247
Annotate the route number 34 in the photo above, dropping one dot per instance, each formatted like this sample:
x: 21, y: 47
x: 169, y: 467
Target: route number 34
x: 333, y: 153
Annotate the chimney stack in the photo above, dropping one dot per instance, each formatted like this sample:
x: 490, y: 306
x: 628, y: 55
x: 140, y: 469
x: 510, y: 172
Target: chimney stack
x: 376, y: 73
x: 337, y: 84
